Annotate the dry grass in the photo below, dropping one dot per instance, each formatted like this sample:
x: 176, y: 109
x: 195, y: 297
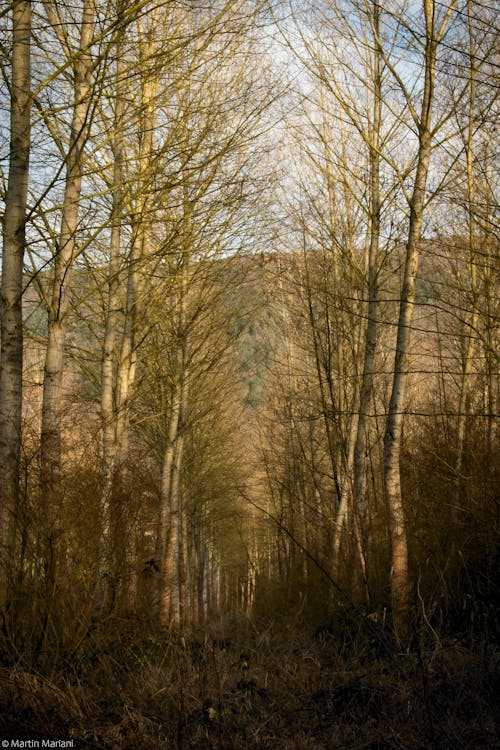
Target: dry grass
x: 235, y: 687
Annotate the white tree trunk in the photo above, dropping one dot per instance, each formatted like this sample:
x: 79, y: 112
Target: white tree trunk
x: 14, y: 242
x: 139, y: 250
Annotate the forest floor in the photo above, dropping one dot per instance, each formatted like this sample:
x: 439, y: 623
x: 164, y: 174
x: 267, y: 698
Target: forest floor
x: 242, y: 688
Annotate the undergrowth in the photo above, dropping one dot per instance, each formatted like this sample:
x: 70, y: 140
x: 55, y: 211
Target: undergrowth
x: 234, y: 686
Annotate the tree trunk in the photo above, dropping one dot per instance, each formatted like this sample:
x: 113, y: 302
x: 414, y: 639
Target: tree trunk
x: 169, y: 538
x: 108, y: 413
x: 139, y: 249
x: 370, y: 344
x: 469, y: 352
x: 14, y: 243
x: 52, y: 408
x: 400, y: 578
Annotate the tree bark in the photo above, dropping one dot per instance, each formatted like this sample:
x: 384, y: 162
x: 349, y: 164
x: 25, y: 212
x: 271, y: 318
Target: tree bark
x: 470, y: 347
x: 14, y: 243
x: 370, y: 343
x: 400, y: 576
x: 169, y: 521
x: 140, y: 245
x: 112, y: 313
x: 51, y: 432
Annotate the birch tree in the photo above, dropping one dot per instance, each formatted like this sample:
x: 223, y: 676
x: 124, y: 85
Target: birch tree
x: 125, y: 277
x: 14, y: 243
x: 434, y: 31
x: 81, y: 60
x: 107, y: 399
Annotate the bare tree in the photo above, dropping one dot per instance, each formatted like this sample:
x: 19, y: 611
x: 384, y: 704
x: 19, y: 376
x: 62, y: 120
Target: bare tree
x: 348, y: 139
x: 81, y: 60
x: 434, y: 30
x: 14, y: 243
x: 108, y: 411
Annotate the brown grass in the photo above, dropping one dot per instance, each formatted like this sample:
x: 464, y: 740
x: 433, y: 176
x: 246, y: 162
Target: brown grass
x: 237, y: 687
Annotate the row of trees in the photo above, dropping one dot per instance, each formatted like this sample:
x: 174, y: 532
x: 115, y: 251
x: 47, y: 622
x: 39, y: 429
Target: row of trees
x: 185, y: 427
x: 143, y: 125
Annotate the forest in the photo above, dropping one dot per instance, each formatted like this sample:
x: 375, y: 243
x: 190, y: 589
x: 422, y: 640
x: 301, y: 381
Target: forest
x: 249, y: 395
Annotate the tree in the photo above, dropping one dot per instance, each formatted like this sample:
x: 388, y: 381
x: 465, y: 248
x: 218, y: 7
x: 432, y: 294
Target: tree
x: 82, y: 63
x: 14, y: 244
x: 107, y: 400
x: 350, y: 174
x: 434, y: 31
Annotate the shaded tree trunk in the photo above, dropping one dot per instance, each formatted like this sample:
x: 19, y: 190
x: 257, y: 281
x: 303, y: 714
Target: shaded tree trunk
x: 370, y: 343
x: 108, y: 412
x: 52, y: 407
x: 14, y: 243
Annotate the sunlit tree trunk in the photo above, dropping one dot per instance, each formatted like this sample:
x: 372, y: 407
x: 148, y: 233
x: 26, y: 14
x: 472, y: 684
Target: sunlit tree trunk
x: 400, y: 575
x: 173, y: 566
x: 164, y: 525
x: 341, y: 453
x: 140, y: 245
x: 468, y: 359
x: 14, y: 242
x: 129, y: 303
x: 169, y: 536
